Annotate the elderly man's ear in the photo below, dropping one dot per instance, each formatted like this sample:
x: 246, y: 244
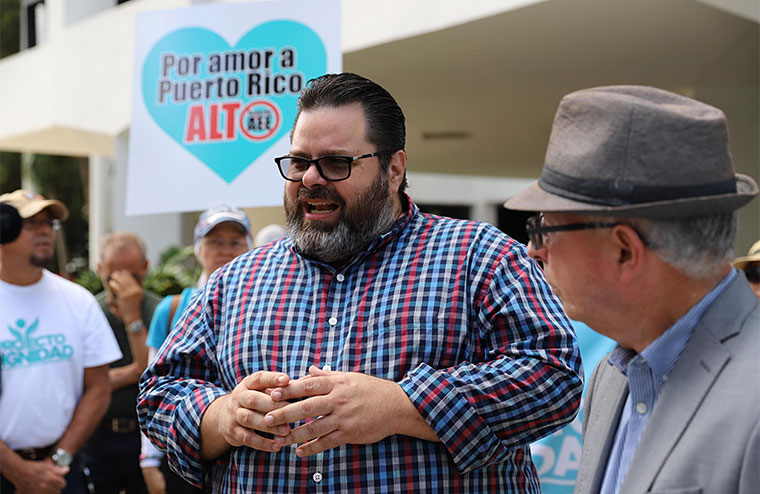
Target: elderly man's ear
x: 630, y: 252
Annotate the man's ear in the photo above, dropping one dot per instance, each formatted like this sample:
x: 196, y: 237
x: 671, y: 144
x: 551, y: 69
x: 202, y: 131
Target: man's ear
x: 99, y: 269
x: 397, y: 169
x: 630, y: 251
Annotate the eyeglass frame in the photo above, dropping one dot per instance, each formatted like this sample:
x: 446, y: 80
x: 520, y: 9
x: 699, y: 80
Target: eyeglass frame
x: 315, y: 161
x: 53, y: 223
x: 536, y: 232
x: 232, y: 243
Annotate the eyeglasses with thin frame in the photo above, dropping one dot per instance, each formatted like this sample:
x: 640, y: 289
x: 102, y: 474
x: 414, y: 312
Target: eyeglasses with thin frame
x: 331, y: 168
x: 221, y: 243
x: 37, y: 223
x: 535, y: 230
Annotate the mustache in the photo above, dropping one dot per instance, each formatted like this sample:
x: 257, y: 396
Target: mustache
x: 320, y: 193
x: 43, y: 239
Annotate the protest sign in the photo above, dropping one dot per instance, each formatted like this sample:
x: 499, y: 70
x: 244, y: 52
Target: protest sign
x: 214, y: 99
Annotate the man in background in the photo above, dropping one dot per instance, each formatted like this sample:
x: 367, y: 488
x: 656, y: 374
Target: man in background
x: 639, y: 203
x: 750, y: 265
x: 56, y: 346
x: 112, y: 455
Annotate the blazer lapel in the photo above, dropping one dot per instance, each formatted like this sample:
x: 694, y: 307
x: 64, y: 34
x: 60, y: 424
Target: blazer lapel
x: 607, y: 403
x: 697, y: 368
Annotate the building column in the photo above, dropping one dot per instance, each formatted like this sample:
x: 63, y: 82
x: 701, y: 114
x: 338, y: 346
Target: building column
x: 100, y: 171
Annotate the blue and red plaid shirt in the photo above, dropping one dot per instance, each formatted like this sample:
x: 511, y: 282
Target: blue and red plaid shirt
x: 454, y: 311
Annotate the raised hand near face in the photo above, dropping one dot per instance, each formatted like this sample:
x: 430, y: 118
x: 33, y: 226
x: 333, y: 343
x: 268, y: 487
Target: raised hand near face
x: 126, y: 294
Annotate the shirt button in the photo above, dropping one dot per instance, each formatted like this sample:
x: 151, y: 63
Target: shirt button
x: 326, y: 367
x: 333, y: 321
x: 641, y: 408
x: 340, y: 277
x: 317, y: 477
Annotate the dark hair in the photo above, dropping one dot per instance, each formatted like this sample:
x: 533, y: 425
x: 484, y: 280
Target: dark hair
x: 386, y: 125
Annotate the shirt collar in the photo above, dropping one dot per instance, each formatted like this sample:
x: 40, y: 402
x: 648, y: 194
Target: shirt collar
x: 662, y: 354
x: 396, y: 230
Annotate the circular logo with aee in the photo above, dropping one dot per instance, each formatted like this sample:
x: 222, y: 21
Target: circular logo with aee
x: 260, y: 120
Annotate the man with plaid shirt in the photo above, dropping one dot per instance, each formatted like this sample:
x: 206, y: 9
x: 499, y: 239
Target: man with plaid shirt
x: 376, y: 348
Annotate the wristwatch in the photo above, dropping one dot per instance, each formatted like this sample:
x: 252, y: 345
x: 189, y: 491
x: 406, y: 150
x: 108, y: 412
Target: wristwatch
x: 61, y: 457
x: 135, y: 327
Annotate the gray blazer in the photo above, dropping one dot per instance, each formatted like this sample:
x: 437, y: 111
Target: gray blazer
x: 704, y: 432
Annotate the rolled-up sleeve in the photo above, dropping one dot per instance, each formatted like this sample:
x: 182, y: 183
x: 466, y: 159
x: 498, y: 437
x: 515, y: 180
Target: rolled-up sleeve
x: 180, y: 384
x: 526, y: 380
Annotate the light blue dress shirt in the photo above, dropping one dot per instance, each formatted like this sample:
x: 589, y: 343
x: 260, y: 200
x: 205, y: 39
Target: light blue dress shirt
x: 647, y: 372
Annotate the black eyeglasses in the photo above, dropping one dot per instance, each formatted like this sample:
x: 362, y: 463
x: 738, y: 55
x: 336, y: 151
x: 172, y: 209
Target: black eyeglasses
x: 37, y: 223
x: 752, y: 273
x: 332, y: 168
x: 536, y: 232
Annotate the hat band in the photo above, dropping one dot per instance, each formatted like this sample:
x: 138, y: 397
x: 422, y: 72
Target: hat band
x: 622, y: 193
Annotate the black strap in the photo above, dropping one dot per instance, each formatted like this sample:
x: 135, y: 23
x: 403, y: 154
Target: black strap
x: 172, y: 310
x: 621, y: 193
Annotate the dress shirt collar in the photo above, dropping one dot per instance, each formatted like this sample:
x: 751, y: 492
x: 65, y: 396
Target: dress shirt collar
x: 662, y: 354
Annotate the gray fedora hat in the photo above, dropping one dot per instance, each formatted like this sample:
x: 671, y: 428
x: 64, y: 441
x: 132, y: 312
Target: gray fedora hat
x: 640, y: 152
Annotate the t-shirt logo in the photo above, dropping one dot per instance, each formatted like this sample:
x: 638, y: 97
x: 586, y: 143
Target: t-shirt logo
x: 26, y: 348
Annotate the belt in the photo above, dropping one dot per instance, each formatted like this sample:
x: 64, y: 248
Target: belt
x: 120, y: 425
x: 35, y: 454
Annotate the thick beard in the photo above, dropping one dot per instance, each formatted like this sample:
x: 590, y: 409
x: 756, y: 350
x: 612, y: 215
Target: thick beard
x: 40, y: 261
x: 370, y: 216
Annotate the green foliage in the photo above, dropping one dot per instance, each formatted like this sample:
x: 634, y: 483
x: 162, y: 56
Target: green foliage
x: 177, y: 269
x: 90, y: 280
x: 10, y: 172
x: 10, y: 11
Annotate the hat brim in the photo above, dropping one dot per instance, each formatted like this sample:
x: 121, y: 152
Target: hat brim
x: 534, y: 198
x: 205, y: 231
x: 741, y: 262
x: 57, y: 208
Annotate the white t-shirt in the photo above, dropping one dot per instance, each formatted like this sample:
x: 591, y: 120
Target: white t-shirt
x: 49, y: 333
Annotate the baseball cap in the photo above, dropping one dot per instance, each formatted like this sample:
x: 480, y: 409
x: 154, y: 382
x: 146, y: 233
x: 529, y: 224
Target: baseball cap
x: 217, y: 215
x: 28, y: 204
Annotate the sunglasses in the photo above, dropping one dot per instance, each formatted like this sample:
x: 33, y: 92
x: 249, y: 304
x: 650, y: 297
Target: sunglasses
x: 37, y: 223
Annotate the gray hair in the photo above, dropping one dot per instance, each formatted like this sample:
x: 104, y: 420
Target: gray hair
x: 698, y: 247
x: 120, y: 241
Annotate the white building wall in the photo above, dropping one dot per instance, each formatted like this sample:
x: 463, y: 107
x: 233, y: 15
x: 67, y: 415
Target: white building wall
x: 484, y: 195
x: 106, y: 215
x: 76, y: 10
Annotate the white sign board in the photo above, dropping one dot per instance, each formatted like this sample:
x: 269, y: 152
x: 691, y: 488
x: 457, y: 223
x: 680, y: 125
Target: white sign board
x: 214, y: 99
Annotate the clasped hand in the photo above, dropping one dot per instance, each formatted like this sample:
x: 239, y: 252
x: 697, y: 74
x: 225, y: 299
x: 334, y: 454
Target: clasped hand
x: 338, y: 407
